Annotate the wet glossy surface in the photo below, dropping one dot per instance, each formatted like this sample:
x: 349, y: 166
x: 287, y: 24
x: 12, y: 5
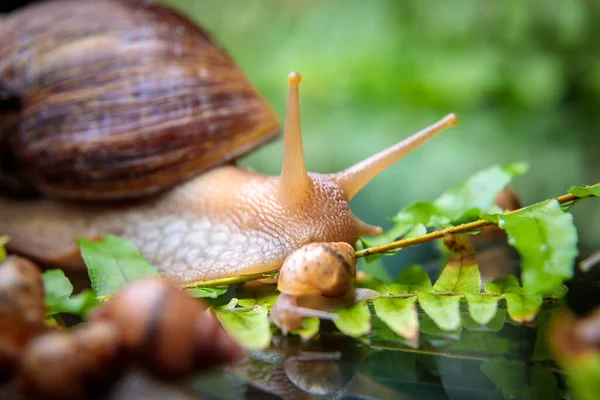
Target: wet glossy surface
x: 473, y: 362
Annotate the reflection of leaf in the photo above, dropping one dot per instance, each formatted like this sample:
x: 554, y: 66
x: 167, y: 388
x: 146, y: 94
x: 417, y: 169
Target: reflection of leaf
x: 354, y: 320
x: 112, y: 263
x: 250, y: 327
x: 521, y: 307
x: 3, y: 240
x: 413, y: 279
x: 585, y: 191
x: 546, y: 238
x: 399, y: 314
x: 391, y: 365
x: 494, y: 325
x: 210, y: 293
x: 428, y: 327
x: 517, y: 381
x: 443, y: 310
x: 482, y: 308
x: 310, y: 327
x: 481, y: 342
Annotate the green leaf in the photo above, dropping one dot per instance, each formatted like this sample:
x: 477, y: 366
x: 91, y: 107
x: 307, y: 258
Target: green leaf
x: 459, y: 279
x: 210, y: 293
x: 56, y: 286
x: 478, y: 192
x: 521, y: 307
x: 586, y: 191
x: 79, y: 304
x: 400, y: 315
x: 310, y: 327
x: 411, y: 232
x: 3, y: 240
x: 112, y: 263
x: 494, y: 325
x: 354, y: 320
x: 466, y: 200
x: 58, y: 291
x: 265, y: 296
x: 249, y: 326
x: 443, y: 310
x: 413, y: 279
x: 482, y: 308
x: 546, y: 238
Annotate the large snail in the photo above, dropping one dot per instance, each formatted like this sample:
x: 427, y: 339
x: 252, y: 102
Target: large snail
x: 136, y: 101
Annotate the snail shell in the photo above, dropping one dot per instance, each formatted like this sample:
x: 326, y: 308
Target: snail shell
x: 120, y: 99
x: 327, y: 269
x: 166, y: 331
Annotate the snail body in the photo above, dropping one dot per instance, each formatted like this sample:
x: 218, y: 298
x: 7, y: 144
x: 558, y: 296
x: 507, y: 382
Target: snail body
x: 228, y: 221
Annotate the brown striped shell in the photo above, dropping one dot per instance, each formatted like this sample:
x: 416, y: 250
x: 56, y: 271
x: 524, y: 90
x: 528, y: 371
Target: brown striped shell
x: 110, y: 99
x: 328, y: 269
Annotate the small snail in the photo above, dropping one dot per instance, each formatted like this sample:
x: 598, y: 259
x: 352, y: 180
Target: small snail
x: 313, y: 279
x: 166, y: 331
x: 70, y: 365
x: 138, y: 103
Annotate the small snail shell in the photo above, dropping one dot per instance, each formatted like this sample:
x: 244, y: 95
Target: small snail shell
x: 316, y: 270
x: 328, y: 269
x: 69, y: 365
x: 166, y: 331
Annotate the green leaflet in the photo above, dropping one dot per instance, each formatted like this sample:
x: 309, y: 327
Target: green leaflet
x: 482, y: 308
x: 465, y: 200
x: 354, y: 320
x: 478, y: 192
x: 521, y: 307
x: 546, y: 238
x: 459, y: 279
x: 586, y: 191
x: 413, y: 279
x: 265, y: 296
x: 310, y: 327
x: 207, y: 293
x: 56, y: 286
x: 3, y: 240
x: 411, y: 231
x: 443, y: 310
x: 112, y: 263
x: 399, y: 314
x: 249, y: 326
x: 58, y: 298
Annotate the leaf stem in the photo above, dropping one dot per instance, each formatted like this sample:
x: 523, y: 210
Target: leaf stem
x: 468, y: 227
x: 229, y: 281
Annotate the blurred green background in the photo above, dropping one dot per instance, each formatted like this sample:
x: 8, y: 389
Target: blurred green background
x: 523, y: 76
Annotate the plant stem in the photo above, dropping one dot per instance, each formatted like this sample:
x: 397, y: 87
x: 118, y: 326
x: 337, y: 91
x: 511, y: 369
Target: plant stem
x: 229, y: 281
x: 468, y: 227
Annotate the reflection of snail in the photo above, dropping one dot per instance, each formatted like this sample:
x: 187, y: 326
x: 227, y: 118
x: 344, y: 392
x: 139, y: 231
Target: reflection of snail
x: 318, y: 276
x: 325, y: 368
x: 135, y: 104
